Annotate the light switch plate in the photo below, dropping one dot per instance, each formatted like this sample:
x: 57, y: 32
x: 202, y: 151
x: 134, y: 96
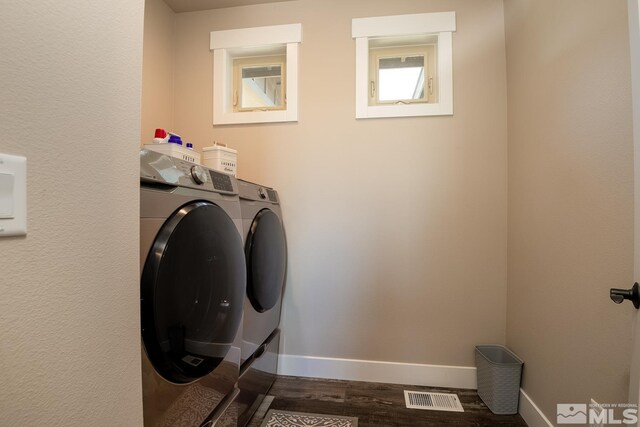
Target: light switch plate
x: 13, y: 195
x: 7, y: 187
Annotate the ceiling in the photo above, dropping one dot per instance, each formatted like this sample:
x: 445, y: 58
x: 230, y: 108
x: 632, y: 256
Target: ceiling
x: 195, y: 5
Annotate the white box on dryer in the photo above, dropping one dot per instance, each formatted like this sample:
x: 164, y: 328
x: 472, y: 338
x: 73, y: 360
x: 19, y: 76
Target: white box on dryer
x: 175, y: 150
x: 221, y: 158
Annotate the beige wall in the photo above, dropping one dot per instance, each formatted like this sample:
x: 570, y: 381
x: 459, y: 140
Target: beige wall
x: 396, y: 227
x: 570, y: 198
x: 157, y: 69
x: 634, y: 47
x: 69, y: 316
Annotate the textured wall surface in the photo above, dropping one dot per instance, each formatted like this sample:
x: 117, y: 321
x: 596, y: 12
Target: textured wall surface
x: 69, y: 311
x: 570, y: 198
x: 396, y: 227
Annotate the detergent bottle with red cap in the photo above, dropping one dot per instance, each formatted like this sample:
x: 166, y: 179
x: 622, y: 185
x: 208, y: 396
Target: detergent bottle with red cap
x: 161, y: 136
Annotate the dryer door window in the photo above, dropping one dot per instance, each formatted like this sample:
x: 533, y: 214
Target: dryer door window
x: 266, y: 255
x: 192, y: 290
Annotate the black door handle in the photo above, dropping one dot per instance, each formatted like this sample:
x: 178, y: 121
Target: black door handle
x: 633, y: 295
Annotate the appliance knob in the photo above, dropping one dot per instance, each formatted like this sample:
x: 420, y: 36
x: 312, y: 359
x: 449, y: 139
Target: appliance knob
x: 261, y: 193
x: 199, y: 175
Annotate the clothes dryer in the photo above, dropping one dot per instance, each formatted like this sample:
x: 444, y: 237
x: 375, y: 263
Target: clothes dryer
x: 266, y: 260
x: 192, y: 288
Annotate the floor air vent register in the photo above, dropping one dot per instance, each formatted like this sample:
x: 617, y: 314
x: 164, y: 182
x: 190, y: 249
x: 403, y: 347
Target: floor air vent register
x: 432, y: 401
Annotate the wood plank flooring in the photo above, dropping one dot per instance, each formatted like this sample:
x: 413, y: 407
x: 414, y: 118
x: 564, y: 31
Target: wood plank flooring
x: 376, y: 404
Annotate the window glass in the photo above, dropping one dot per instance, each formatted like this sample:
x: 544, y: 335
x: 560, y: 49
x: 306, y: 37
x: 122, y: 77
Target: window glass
x: 401, y: 78
x: 261, y: 86
x: 401, y: 72
x: 259, y: 83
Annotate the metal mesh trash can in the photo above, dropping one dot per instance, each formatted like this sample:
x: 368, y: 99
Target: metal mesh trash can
x: 499, y: 372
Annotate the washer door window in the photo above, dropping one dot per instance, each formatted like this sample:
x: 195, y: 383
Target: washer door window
x: 266, y: 255
x: 192, y: 289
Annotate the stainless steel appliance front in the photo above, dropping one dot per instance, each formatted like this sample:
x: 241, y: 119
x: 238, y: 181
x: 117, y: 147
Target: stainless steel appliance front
x: 192, y: 289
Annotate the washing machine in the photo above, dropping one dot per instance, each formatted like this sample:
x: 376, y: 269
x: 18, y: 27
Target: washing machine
x: 266, y: 260
x: 192, y: 289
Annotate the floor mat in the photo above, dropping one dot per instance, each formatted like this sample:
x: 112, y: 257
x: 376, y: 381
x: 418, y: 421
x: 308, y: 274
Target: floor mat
x: 275, y: 418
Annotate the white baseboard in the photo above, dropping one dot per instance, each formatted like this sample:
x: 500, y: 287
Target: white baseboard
x: 530, y: 413
x: 374, y: 371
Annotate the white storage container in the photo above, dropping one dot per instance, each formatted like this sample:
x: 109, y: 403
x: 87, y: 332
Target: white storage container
x: 221, y: 158
x: 175, y: 150
x: 498, y: 372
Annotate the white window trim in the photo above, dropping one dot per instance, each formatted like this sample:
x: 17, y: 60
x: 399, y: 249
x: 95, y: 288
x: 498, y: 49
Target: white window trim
x: 234, y: 43
x: 442, y: 24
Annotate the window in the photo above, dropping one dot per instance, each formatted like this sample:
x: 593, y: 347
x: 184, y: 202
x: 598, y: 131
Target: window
x: 404, y: 65
x: 402, y: 70
x: 259, y: 83
x: 255, y: 74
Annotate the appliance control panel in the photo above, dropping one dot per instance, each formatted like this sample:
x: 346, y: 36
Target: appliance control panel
x: 272, y: 195
x: 251, y: 191
x: 163, y: 169
x: 221, y: 181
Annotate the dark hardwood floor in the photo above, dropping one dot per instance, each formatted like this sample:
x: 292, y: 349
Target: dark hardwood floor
x: 375, y: 404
